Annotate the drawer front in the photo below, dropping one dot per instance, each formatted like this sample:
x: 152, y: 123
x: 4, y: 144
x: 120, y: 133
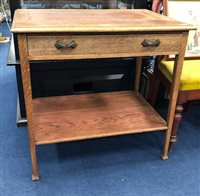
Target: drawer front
x: 101, y: 46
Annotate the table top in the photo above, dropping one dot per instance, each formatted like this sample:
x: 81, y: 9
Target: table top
x: 98, y: 20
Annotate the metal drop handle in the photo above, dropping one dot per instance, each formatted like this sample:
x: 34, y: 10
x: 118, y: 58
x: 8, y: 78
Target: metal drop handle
x: 60, y: 45
x: 148, y: 43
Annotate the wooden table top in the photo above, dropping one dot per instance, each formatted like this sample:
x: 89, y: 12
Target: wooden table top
x: 98, y: 20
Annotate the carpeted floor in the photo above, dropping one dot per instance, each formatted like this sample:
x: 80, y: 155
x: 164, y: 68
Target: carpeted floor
x: 117, y: 166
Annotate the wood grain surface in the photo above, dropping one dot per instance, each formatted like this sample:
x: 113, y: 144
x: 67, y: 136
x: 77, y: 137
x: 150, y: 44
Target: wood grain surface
x: 82, y: 20
x: 178, y: 64
x: 96, y: 46
x: 26, y: 81
x: 91, y: 116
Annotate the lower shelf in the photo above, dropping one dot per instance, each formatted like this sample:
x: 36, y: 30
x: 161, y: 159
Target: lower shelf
x: 77, y: 117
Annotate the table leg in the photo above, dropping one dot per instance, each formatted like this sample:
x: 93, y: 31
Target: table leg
x: 178, y: 64
x: 138, y: 67
x: 26, y: 81
x: 35, y: 175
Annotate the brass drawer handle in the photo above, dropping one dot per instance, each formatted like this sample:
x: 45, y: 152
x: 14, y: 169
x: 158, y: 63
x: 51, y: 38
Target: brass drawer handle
x: 148, y: 43
x: 60, y: 45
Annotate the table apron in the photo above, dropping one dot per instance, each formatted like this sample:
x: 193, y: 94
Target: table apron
x: 42, y: 47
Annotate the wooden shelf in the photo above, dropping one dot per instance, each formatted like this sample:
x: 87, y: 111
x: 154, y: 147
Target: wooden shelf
x: 77, y: 117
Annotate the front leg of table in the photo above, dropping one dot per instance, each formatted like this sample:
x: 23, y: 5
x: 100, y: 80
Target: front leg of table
x: 26, y: 79
x: 178, y: 64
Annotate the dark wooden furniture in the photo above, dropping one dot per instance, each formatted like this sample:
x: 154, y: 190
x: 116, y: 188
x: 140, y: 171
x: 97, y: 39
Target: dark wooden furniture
x: 185, y: 95
x: 92, y: 34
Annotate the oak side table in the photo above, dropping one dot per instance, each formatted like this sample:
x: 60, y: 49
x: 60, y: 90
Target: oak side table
x: 46, y: 34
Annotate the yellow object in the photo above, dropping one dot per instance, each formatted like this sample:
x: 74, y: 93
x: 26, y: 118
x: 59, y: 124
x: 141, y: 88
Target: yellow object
x: 4, y: 39
x: 190, y: 77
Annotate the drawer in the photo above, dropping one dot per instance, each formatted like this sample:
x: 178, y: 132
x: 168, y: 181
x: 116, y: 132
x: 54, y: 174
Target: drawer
x: 47, y: 47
